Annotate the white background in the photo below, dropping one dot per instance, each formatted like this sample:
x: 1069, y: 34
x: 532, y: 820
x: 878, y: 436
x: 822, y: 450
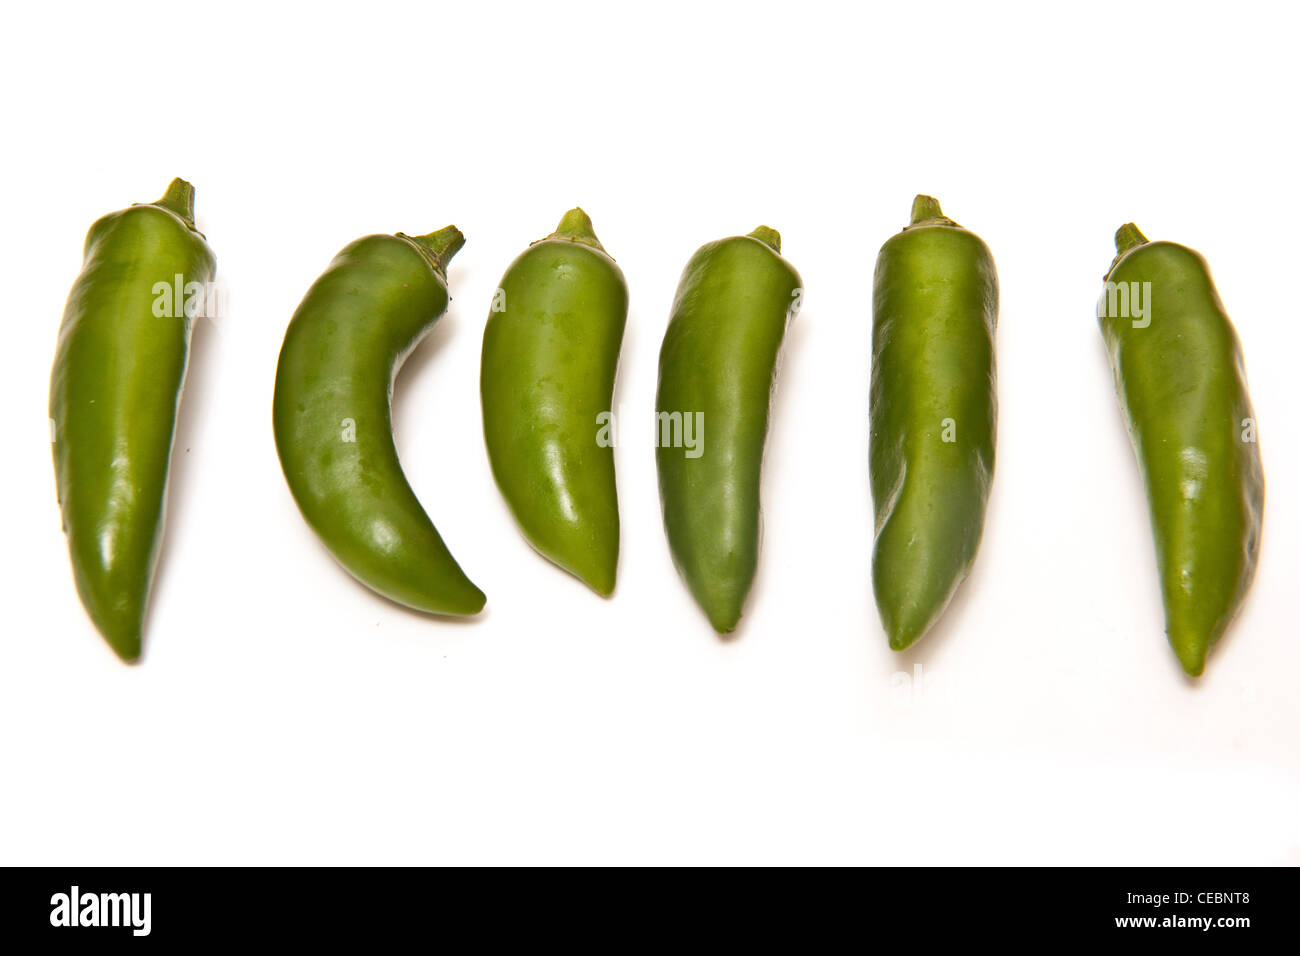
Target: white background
x: 283, y: 713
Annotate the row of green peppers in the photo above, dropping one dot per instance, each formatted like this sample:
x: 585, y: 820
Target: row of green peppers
x: 550, y: 354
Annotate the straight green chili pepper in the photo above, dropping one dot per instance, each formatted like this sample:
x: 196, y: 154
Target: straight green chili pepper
x: 333, y: 417
x: 115, y: 389
x: 550, y: 353
x: 933, y: 416
x: 717, y: 375
x: 1181, y: 382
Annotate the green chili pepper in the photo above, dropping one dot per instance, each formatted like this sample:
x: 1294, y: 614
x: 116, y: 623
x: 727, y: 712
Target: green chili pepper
x: 717, y: 373
x: 1181, y: 382
x: 114, y: 393
x: 933, y: 412
x: 333, y: 417
x: 550, y: 352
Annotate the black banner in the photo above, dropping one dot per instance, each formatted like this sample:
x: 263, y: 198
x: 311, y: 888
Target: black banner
x: 136, y: 906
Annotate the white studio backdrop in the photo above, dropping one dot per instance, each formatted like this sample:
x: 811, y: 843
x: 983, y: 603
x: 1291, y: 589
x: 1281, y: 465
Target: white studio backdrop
x: 283, y: 714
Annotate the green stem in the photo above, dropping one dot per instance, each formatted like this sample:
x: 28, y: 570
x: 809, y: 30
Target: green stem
x: 926, y: 209
x: 440, y: 246
x: 179, y: 199
x: 1127, y: 237
x: 576, y: 227
x: 768, y: 236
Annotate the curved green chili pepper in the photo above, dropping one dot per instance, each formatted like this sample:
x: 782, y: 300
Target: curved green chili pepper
x: 933, y: 416
x: 114, y: 393
x: 1181, y: 382
x: 717, y: 373
x: 550, y: 352
x: 333, y: 417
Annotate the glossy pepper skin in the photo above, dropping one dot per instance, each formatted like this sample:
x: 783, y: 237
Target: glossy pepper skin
x: 717, y: 374
x: 933, y: 416
x: 550, y: 354
x: 1181, y: 383
x: 333, y: 419
x: 114, y: 394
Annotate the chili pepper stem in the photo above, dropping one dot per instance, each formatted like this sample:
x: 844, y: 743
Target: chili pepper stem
x: 1127, y: 237
x: 768, y: 236
x: 926, y: 209
x: 179, y: 199
x: 440, y: 245
x: 576, y: 226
